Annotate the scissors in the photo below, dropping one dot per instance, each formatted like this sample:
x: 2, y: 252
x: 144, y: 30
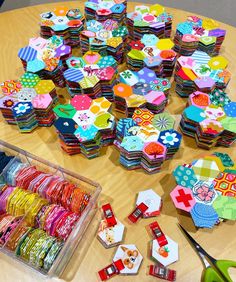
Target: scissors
x: 216, y: 270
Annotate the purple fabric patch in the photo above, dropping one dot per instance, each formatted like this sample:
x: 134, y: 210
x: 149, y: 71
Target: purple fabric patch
x: 63, y: 50
x: 217, y: 32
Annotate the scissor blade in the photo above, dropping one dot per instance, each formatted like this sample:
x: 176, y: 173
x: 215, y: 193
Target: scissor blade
x: 197, y: 247
x: 205, y: 257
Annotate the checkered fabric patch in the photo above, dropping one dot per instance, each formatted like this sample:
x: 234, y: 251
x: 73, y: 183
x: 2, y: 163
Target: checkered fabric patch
x: 206, y: 170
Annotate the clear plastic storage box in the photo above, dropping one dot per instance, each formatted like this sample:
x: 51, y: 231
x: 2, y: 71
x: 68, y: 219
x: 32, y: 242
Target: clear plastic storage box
x: 87, y: 215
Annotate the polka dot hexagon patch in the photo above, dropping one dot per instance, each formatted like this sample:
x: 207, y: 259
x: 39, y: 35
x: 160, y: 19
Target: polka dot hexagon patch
x: 185, y: 176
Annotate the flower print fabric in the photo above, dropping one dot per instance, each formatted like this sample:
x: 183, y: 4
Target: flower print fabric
x: 22, y: 108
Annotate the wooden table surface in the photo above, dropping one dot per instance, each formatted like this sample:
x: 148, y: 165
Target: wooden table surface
x: 119, y: 185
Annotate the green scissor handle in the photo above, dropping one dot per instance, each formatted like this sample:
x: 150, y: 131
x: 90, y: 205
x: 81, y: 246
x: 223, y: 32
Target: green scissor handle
x: 211, y: 275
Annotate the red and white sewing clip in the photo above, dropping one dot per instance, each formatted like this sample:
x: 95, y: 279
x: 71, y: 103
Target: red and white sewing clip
x: 162, y: 272
x: 111, y: 230
x: 164, y: 249
x: 158, y: 234
x: 138, y: 212
x: 109, y: 215
x: 111, y: 270
x: 151, y: 199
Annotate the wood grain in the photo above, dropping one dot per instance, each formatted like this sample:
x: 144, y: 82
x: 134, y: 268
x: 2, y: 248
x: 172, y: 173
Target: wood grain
x: 119, y: 185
